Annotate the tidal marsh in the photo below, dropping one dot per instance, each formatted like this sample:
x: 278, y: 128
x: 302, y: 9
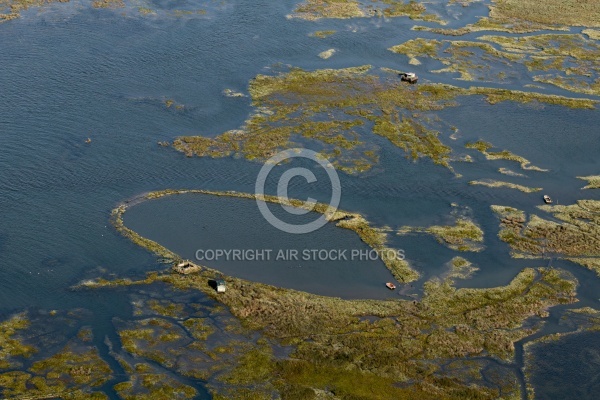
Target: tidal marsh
x: 333, y: 111
x: 381, y: 343
x: 575, y: 238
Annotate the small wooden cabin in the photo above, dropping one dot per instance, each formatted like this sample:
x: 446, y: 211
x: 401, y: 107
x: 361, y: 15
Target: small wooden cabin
x: 409, y: 77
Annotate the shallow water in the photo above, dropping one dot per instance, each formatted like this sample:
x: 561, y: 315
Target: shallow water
x: 69, y: 73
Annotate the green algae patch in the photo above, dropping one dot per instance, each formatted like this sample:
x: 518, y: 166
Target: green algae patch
x: 484, y: 147
x: 509, y: 172
x: 418, y: 47
x: 343, y: 9
x: 575, y: 237
x: 507, y: 185
x: 340, y: 9
x: 464, y: 235
x: 593, y: 181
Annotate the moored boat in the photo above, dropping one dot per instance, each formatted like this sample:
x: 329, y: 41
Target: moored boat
x: 547, y: 199
x: 390, y: 285
x: 409, y: 77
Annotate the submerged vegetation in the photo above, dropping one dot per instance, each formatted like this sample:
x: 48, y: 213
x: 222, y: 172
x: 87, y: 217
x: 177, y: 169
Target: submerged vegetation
x: 71, y: 372
x: 108, y: 4
x: 322, y: 34
x: 461, y: 268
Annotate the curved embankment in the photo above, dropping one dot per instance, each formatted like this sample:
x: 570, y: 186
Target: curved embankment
x: 373, y: 237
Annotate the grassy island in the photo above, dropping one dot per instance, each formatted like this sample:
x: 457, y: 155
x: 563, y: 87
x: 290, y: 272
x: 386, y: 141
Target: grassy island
x: 344, y: 9
x: 464, y: 235
x: 575, y: 237
x: 593, y: 181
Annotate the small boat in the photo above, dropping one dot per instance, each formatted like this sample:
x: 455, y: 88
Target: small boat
x: 409, y: 77
x: 547, y: 199
x: 88, y: 140
x: 390, y: 286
